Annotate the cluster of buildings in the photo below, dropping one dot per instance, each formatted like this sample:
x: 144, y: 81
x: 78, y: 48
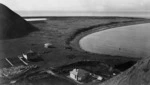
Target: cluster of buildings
x: 29, y: 56
x: 26, y: 58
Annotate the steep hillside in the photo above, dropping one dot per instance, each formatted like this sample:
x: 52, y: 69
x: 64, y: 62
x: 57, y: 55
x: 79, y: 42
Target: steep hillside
x: 139, y: 74
x: 12, y: 25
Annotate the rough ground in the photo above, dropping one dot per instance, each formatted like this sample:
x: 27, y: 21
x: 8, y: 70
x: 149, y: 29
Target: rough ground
x: 139, y: 74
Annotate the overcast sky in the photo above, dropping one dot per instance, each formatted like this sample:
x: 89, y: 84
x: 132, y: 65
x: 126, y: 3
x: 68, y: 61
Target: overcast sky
x: 78, y: 5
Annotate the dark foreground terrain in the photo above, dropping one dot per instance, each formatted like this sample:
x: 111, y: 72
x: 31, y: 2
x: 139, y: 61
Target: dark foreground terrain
x: 63, y: 33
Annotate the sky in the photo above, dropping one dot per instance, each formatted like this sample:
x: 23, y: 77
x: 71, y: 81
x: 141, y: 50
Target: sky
x: 79, y: 5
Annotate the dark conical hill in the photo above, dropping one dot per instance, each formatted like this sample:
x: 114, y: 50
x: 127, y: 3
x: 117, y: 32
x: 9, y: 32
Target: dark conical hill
x: 12, y: 25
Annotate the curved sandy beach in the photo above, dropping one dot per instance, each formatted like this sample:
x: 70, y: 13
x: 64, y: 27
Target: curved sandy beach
x: 132, y: 41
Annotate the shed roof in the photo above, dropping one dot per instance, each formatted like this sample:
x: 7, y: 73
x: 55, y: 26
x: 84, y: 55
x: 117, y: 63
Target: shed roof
x: 79, y: 72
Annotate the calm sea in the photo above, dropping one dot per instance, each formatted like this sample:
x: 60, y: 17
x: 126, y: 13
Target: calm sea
x: 51, y: 13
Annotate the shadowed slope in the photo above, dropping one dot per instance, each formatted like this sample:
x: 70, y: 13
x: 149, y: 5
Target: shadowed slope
x: 139, y: 74
x: 12, y: 25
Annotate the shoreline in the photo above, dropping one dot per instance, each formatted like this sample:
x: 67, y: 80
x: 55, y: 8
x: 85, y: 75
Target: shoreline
x: 75, y: 42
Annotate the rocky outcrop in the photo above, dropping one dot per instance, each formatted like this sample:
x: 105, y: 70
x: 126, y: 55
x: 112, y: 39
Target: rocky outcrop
x: 14, y: 72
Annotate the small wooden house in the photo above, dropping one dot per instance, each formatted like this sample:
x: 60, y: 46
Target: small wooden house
x: 30, y: 56
x: 78, y: 74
